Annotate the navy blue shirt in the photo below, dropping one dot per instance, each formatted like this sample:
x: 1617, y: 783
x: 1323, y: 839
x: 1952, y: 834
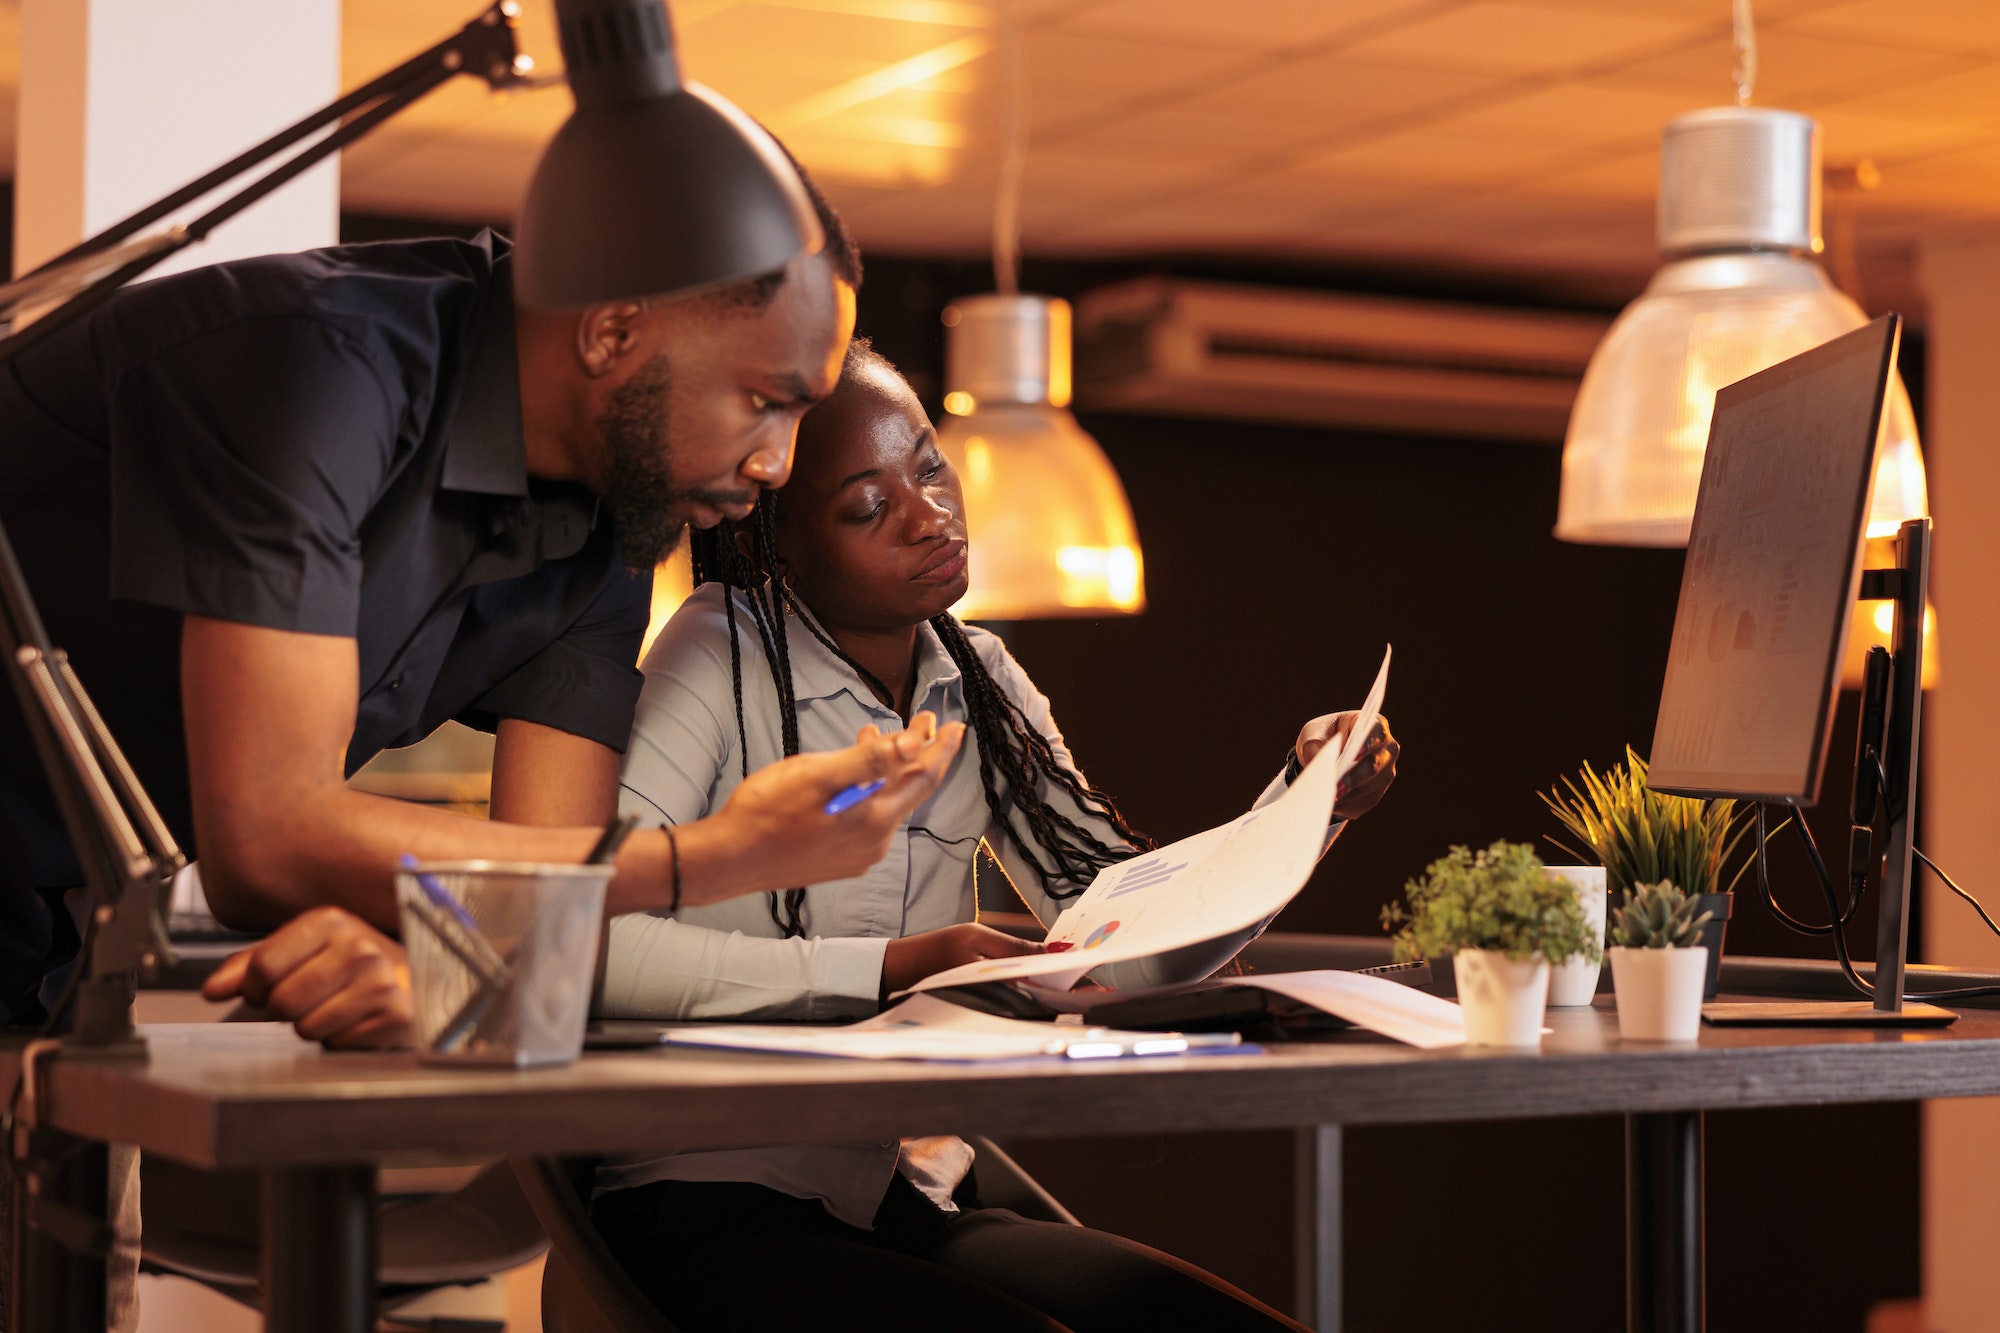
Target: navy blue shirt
x: 327, y: 443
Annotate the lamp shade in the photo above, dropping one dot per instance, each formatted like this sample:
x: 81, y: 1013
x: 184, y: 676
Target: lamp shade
x: 1051, y: 532
x: 653, y: 186
x: 1739, y: 214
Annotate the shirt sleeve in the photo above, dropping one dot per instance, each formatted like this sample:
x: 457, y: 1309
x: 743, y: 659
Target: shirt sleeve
x: 584, y: 683
x: 243, y: 462
x: 683, y: 738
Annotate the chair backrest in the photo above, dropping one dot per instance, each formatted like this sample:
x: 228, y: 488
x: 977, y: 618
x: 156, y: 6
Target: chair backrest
x: 584, y: 1288
x: 1004, y: 1184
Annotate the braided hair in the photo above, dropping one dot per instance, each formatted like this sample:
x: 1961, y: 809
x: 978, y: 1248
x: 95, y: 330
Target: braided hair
x: 1015, y: 758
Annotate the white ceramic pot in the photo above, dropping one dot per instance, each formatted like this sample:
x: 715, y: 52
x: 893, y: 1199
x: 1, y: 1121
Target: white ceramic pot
x: 1659, y: 992
x: 1502, y: 999
x: 1575, y: 982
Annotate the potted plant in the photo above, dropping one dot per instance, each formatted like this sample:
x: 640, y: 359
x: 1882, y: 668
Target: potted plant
x: 1504, y: 919
x: 1641, y: 836
x: 1658, y: 963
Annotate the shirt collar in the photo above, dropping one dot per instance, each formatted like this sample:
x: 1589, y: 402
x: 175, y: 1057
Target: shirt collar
x: 818, y: 674
x: 484, y: 450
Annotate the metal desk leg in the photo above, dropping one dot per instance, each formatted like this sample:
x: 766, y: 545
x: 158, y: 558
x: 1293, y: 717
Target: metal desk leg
x: 319, y: 1249
x: 1663, y: 1223
x: 1316, y: 1227
x: 65, y: 1235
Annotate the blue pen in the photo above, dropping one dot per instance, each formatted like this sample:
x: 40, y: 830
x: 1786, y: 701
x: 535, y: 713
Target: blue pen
x: 435, y: 892
x: 855, y: 795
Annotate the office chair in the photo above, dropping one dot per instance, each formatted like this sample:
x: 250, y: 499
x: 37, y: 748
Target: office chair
x: 203, y: 1225
x: 585, y: 1290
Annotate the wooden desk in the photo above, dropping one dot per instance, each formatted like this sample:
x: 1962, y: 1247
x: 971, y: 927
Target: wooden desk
x: 253, y: 1096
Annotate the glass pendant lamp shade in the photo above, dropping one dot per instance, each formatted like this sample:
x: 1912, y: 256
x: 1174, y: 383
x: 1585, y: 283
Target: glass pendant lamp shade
x: 1739, y: 214
x: 653, y: 186
x: 1050, y: 531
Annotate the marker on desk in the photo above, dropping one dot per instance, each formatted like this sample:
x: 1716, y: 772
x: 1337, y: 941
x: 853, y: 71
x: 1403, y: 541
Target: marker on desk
x: 855, y: 795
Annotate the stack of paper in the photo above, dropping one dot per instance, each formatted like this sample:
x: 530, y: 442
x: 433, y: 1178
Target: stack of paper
x: 924, y: 1027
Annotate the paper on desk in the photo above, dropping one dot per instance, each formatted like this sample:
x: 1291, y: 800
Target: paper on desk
x: 1215, y: 883
x: 922, y: 1027
x: 1375, y: 1003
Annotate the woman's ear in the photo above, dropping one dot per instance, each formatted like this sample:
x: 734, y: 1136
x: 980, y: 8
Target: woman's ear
x: 744, y: 546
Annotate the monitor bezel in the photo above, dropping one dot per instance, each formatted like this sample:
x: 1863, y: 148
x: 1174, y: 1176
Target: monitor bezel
x: 1886, y: 334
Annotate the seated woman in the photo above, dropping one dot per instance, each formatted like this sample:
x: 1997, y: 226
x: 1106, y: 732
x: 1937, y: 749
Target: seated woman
x: 825, y: 611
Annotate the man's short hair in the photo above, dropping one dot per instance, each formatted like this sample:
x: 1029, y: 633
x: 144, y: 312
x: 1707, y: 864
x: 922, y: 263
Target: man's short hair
x: 839, y: 250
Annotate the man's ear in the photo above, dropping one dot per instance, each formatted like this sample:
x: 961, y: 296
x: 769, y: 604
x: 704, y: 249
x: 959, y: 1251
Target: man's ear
x: 607, y: 334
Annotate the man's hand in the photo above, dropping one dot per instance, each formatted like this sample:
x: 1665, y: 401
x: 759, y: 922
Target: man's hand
x: 774, y: 831
x: 1374, y: 768
x: 330, y: 974
x: 914, y: 957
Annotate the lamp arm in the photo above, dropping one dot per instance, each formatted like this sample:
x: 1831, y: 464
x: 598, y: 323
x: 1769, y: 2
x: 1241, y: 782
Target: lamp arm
x: 485, y: 47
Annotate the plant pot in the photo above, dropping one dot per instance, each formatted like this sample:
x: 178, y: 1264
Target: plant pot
x: 1502, y: 999
x: 1719, y: 905
x: 1575, y: 982
x: 1659, y: 992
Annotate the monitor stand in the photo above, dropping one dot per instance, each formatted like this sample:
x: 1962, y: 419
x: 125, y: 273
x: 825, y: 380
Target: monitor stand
x: 1821, y: 1014
x: 1906, y: 585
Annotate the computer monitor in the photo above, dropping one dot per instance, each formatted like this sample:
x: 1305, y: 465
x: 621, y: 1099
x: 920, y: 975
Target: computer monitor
x: 1773, y: 570
x: 1772, y: 576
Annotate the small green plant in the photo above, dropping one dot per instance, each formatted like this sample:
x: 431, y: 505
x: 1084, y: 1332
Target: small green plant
x: 1659, y: 916
x: 1641, y: 836
x: 1502, y: 899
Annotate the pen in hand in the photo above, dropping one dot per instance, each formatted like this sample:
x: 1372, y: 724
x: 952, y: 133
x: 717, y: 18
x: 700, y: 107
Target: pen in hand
x: 855, y: 795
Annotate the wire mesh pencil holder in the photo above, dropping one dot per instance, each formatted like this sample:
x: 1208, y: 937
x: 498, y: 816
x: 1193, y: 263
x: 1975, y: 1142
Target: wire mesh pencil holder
x: 502, y: 958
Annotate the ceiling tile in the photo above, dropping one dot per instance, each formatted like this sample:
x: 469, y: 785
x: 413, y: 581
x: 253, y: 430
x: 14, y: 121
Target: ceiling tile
x: 1956, y: 26
x: 1791, y: 66
x: 1626, y: 176
x: 1965, y: 97
x: 1181, y: 132
x: 1516, y: 39
x: 1251, y: 25
x: 1102, y: 71
x: 1424, y: 156
x: 1846, y: 136
x: 1337, y: 92
x: 1571, y: 115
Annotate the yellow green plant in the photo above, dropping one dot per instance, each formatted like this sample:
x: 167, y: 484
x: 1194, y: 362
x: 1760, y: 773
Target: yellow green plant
x: 1641, y: 836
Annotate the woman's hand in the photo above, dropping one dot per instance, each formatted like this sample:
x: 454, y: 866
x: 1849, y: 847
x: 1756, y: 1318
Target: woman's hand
x: 330, y: 974
x: 774, y: 831
x: 1374, y: 768
x: 914, y: 957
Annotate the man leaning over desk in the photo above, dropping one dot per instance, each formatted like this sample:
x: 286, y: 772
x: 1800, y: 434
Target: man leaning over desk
x: 287, y: 512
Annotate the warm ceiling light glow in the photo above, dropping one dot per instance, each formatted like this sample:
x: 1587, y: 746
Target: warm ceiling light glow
x: 1739, y: 222
x: 1050, y: 529
x: 959, y: 403
x: 919, y: 68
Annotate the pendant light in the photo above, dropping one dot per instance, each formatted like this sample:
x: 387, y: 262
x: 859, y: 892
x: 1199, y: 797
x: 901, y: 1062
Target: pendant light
x: 1739, y: 222
x: 1051, y: 533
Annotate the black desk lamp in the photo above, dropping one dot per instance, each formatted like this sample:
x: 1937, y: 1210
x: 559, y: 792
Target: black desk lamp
x: 651, y: 187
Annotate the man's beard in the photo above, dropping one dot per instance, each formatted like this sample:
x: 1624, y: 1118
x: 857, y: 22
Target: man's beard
x: 641, y: 488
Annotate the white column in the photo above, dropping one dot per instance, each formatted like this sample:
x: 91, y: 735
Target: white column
x: 122, y: 101
x: 1961, y: 768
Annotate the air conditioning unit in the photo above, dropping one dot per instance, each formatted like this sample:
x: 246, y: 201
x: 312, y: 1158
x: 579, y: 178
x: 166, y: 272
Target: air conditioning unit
x: 1172, y: 347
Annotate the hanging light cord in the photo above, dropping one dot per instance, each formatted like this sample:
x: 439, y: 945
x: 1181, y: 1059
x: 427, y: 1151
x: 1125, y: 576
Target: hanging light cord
x: 1746, y: 53
x: 1013, y: 152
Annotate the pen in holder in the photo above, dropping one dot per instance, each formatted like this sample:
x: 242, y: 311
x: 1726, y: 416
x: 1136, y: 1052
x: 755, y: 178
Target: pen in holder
x: 501, y: 958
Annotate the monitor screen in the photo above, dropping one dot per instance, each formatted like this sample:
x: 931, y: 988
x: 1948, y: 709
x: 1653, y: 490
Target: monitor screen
x: 1773, y: 569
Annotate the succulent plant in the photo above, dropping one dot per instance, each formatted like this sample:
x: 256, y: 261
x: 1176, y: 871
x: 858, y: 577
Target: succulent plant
x: 1659, y: 916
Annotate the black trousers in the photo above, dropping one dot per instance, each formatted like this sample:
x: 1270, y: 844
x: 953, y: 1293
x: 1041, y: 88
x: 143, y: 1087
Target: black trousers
x: 741, y: 1258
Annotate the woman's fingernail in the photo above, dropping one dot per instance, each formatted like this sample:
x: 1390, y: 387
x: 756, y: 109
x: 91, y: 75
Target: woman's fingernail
x: 1061, y: 946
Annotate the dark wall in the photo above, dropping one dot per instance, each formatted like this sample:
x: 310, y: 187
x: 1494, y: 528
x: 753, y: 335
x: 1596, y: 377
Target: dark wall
x: 1279, y: 561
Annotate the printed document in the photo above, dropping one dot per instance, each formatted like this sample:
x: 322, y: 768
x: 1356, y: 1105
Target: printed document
x: 1215, y: 883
